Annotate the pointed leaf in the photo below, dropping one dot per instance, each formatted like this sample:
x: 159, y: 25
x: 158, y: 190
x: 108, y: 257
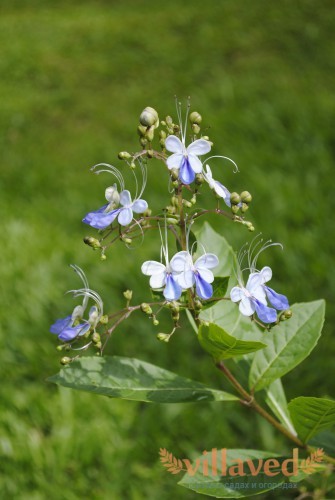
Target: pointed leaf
x: 221, y: 345
x: 129, y: 378
x: 220, y: 285
x: 311, y: 416
x: 289, y: 343
x: 276, y: 400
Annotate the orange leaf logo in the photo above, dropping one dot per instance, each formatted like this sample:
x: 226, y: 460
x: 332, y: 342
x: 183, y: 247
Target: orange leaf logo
x: 172, y: 464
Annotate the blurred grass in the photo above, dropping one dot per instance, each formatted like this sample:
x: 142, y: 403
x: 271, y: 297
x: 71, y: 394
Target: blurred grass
x: 74, y: 78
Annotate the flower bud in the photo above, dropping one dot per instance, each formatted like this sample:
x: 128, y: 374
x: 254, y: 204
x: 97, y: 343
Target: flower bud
x: 143, y: 141
x: 150, y: 153
x: 169, y: 121
x: 195, y: 118
x: 124, y: 155
x: 92, y: 242
x: 244, y: 207
x: 98, y: 345
x: 132, y: 165
x: 175, y: 316
x: 103, y: 320
x: 103, y: 257
x: 150, y: 134
x: 127, y: 240
x: 251, y: 229
x: 234, y: 209
x: 163, y: 337
x: 174, y: 174
x: 198, y: 305
x: 162, y: 134
x: 199, y: 179
x: 128, y: 294
x: 155, y: 322
x: 96, y: 337
x: 112, y: 195
x: 149, y: 117
x: 195, y: 128
x: 65, y: 360
x: 286, y: 315
x: 146, y: 308
x: 141, y: 130
x: 187, y: 203
x: 235, y: 198
x: 147, y: 212
x: 172, y: 221
x: 193, y: 200
x: 246, y: 197
x: 205, y: 137
x: 174, y: 201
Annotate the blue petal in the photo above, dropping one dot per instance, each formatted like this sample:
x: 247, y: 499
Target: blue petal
x: 73, y: 331
x: 186, y: 173
x: 278, y: 301
x: 172, y: 290
x: 265, y: 313
x: 101, y: 219
x: 204, y: 290
x: 60, y: 324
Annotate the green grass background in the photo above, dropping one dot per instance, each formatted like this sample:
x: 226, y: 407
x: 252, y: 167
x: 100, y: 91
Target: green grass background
x: 74, y: 78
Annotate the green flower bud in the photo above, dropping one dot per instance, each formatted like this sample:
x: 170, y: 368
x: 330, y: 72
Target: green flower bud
x: 175, y: 316
x: 193, y: 200
x: 170, y: 210
x: 146, y: 308
x: 174, y: 174
x: 251, y: 229
x: 187, y: 203
x: 127, y: 240
x: 98, y: 345
x: 234, y: 209
x: 286, y: 315
x: 169, y: 220
x: 128, y: 294
x: 205, y: 137
x: 103, y: 320
x: 149, y: 117
x: 65, y: 360
x: 198, y: 305
x: 246, y: 197
x: 96, y: 337
x: 150, y: 134
x: 103, y: 257
x: 163, y: 337
x: 235, y: 198
x: 199, y: 179
x: 195, y: 128
x: 132, y: 165
x: 169, y: 121
x: 141, y: 130
x: 143, y: 141
x: 195, y: 117
x: 174, y: 201
x: 92, y: 242
x: 162, y: 134
x: 155, y: 322
x: 123, y: 155
x: 244, y: 207
x: 147, y: 212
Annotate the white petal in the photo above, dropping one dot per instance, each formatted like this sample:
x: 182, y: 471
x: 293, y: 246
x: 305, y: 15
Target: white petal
x: 181, y: 262
x: 186, y: 279
x: 236, y: 294
x: 125, y: 216
x: 221, y: 190
x: 195, y: 163
x: 174, y: 161
x: 206, y: 274
x: 174, y: 144
x: 158, y: 280
x: 199, y: 147
x: 246, y: 306
x: 125, y: 198
x: 152, y: 267
x: 208, y: 260
x: 266, y: 273
x: 209, y: 172
x: 255, y: 280
x: 139, y: 206
x: 259, y: 294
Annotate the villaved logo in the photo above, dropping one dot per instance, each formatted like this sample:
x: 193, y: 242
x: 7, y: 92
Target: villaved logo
x: 216, y: 463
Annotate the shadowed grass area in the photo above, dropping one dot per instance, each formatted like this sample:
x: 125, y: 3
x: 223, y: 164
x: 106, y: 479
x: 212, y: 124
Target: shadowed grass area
x: 74, y: 78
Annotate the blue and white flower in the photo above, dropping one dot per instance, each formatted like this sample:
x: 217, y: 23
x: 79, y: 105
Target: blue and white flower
x: 198, y: 273
x: 74, y: 325
x: 255, y: 296
x: 162, y: 276
x: 185, y: 159
x: 105, y: 216
x: 217, y: 187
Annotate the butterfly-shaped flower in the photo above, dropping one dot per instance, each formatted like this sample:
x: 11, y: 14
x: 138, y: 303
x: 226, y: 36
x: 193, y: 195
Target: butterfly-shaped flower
x: 185, y: 159
x: 252, y: 298
x: 103, y: 217
x: 162, y: 276
x: 277, y: 300
x: 198, y: 273
x: 74, y: 325
x: 217, y: 187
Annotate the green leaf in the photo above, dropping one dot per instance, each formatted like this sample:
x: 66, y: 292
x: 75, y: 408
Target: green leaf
x: 129, y: 378
x: 220, y: 285
x: 288, y: 343
x: 276, y: 400
x: 311, y: 416
x: 225, y: 485
x: 325, y: 440
x: 221, y: 345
